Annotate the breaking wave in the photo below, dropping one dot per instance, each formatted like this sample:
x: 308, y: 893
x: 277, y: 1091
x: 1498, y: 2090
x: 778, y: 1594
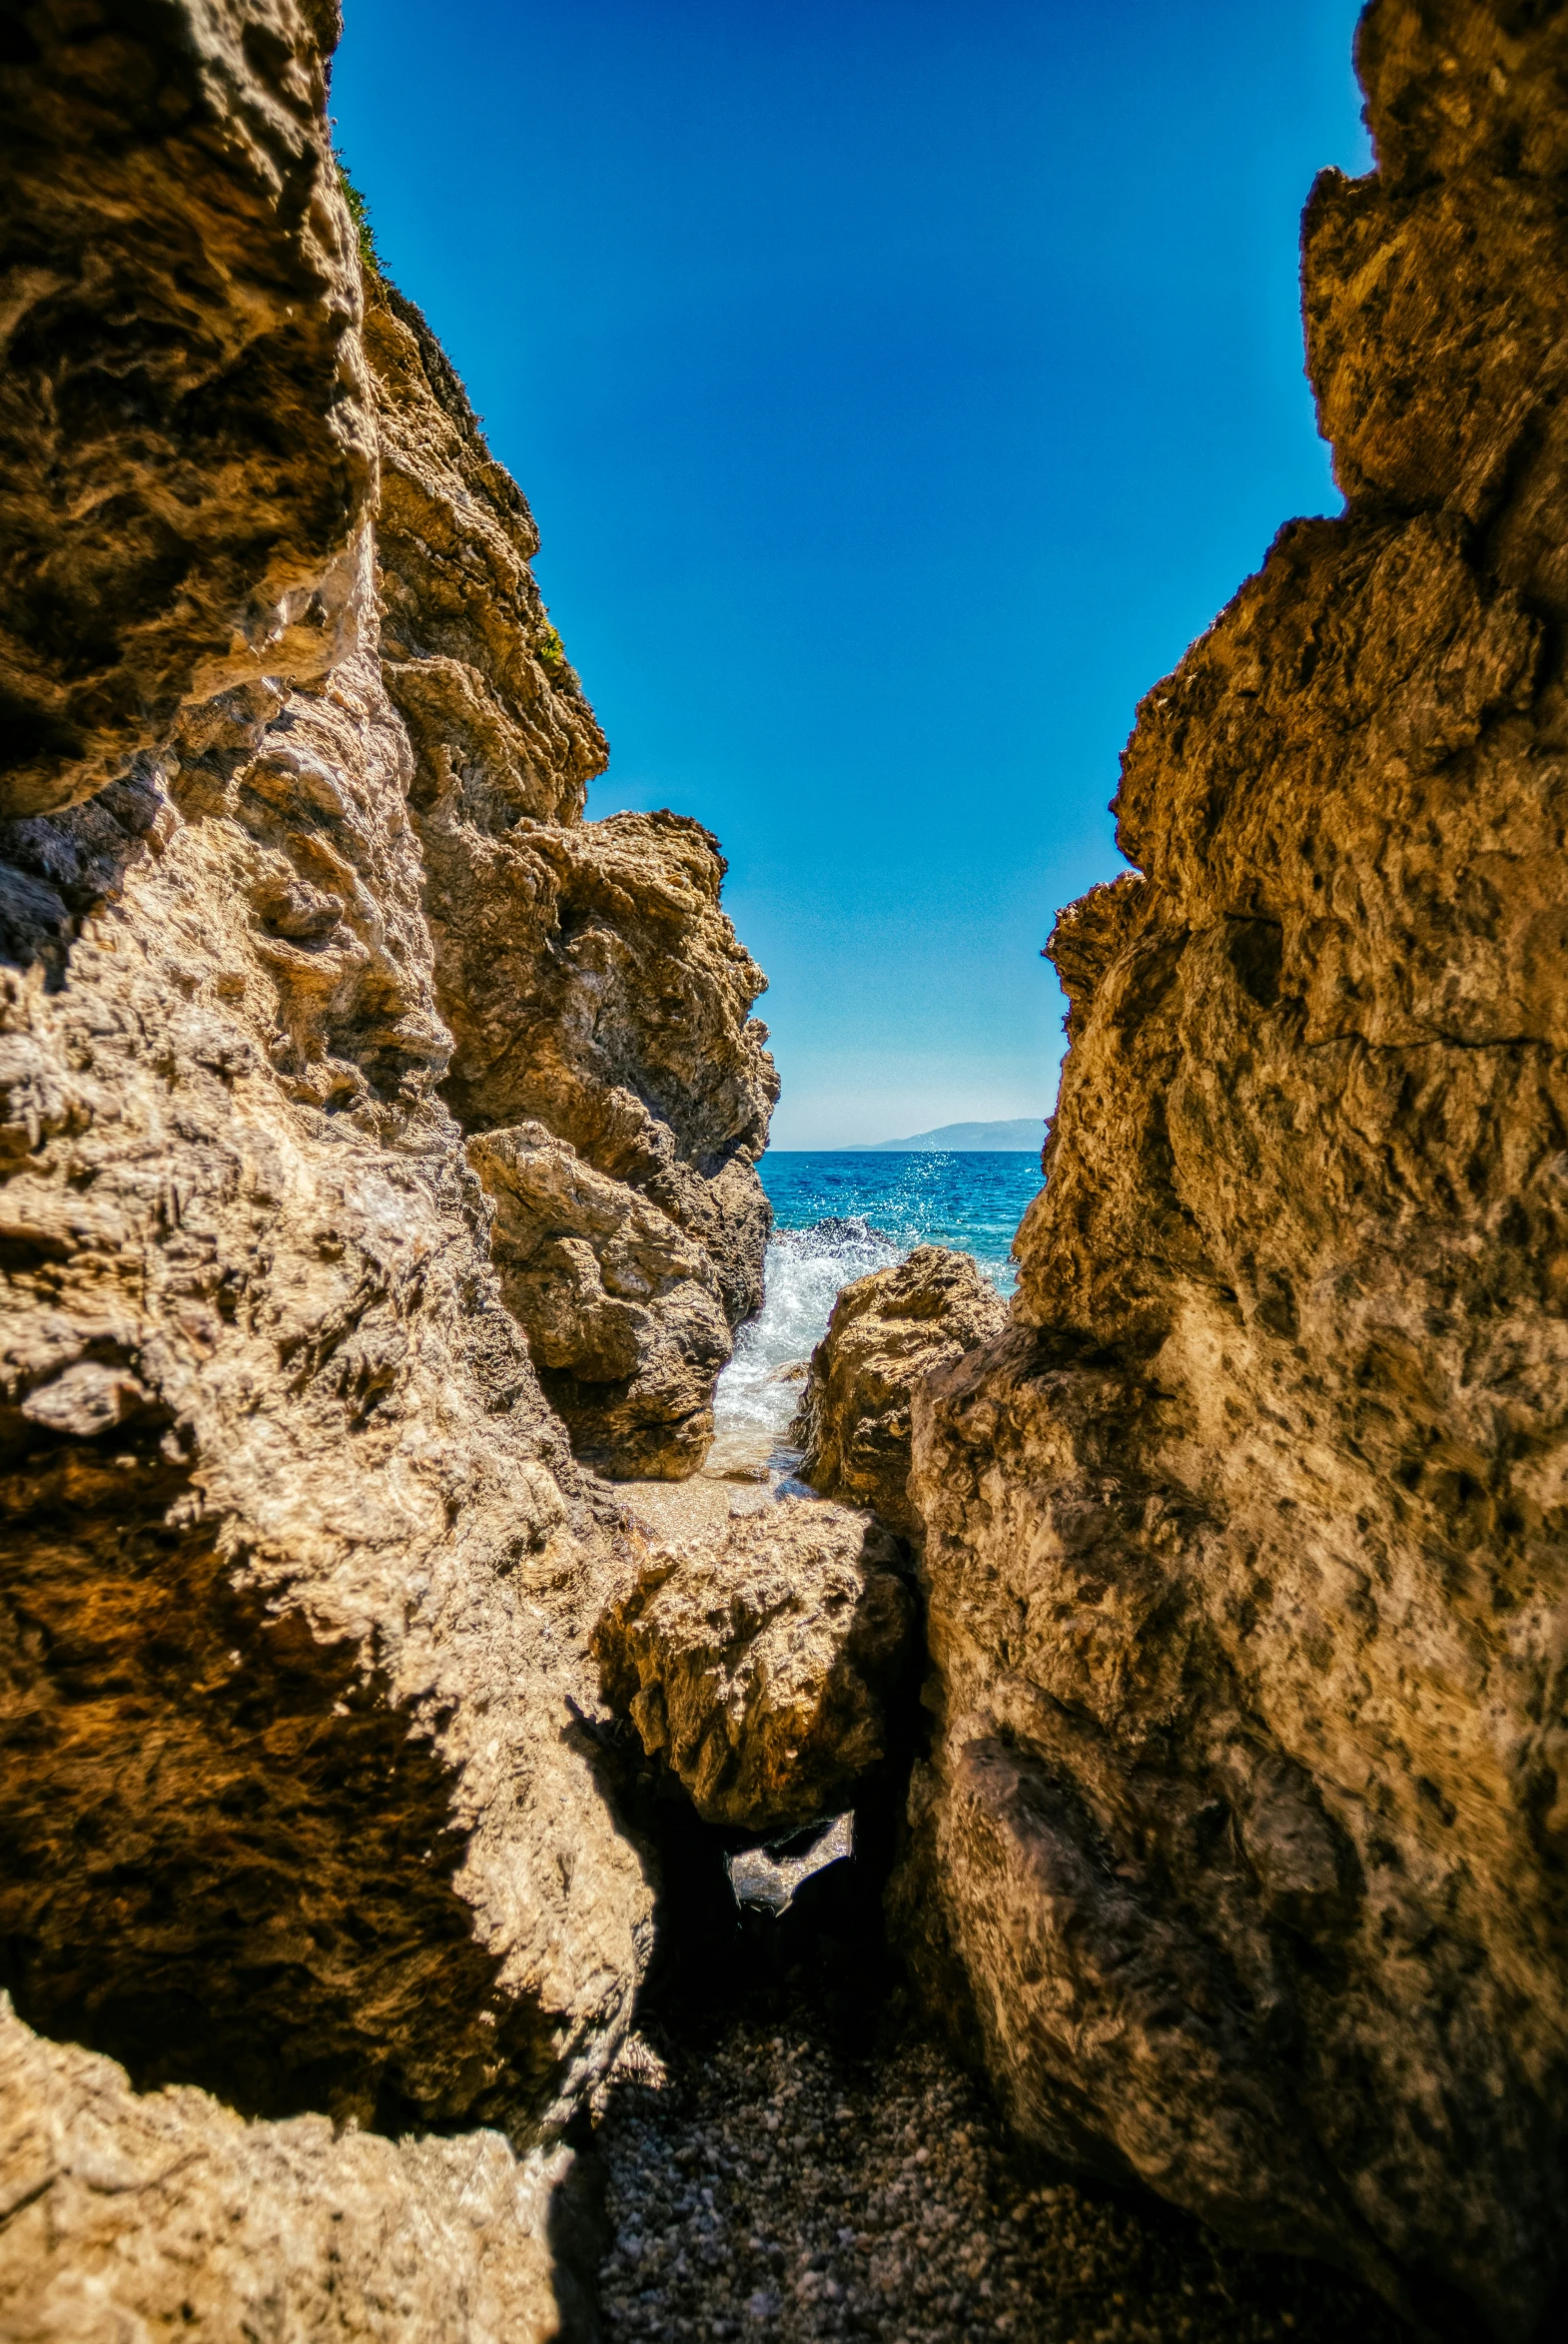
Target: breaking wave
x: 972, y: 1203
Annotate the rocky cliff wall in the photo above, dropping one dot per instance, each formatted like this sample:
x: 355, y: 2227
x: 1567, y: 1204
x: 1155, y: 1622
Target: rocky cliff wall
x: 588, y: 976
x: 184, y: 413
x: 1245, y: 1827
x: 299, y: 1799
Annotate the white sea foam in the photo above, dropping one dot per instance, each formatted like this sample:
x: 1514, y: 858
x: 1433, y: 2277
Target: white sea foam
x: 972, y: 1201
x: 803, y: 1272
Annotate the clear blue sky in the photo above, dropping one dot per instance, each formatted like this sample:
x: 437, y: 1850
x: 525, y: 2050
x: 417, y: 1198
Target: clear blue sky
x: 899, y: 385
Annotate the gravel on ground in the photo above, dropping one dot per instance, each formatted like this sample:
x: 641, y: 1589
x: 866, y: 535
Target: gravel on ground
x: 767, y: 2182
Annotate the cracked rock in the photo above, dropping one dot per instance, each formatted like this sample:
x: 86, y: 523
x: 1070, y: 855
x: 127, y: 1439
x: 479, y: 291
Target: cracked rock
x: 758, y: 1665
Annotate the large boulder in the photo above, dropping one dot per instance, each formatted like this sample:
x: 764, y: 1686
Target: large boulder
x: 126, y: 2214
x: 1244, y: 1827
x: 622, y: 1310
x: 757, y: 1662
x: 887, y: 1333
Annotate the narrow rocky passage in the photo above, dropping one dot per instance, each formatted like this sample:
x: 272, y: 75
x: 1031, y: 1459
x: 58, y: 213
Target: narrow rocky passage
x: 790, y: 2153
x: 789, y: 2150
x: 777, y: 2171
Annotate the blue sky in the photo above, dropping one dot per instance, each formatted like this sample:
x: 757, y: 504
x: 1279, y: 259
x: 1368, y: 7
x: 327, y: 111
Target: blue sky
x: 899, y: 387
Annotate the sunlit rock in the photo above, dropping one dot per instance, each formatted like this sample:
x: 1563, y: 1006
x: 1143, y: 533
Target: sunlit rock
x: 1243, y: 1828
x: 887, y: 1333
x: 757, y: 1662
x: 621, y: 1308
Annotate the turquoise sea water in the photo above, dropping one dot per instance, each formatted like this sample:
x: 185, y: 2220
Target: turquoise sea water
x: 836, y: 1217
x: 971, y: 1202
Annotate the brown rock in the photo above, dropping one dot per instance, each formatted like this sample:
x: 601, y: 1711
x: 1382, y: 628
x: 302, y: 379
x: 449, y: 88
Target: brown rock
x: 128, y: 2215
x: 1244, y: 1821
x: 297, y: 1803
x: 888, y: 1332
x: 622, y: 1311
x: 495, y: 711
x: 588, y: 976
x: 184, y: 436
x: 757, y: 1662
x: 600, y: 974
x: 298, y: 1573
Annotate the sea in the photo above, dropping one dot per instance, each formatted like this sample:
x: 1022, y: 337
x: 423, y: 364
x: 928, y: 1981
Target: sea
x: 836, y: 1217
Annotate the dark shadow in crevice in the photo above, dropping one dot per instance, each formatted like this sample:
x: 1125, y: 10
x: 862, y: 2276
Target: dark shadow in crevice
x: 715, y: 1957
x: 226, y: 1859
x: 578, y: 2234
x: 57, y: 868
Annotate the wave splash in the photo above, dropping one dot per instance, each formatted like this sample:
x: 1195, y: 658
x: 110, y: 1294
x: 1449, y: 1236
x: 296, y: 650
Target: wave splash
x: 838, y: 1217
x: 805, y: 1270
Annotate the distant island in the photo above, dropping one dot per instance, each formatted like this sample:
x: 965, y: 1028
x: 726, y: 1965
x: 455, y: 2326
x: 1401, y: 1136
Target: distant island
x: 1025, y: 1132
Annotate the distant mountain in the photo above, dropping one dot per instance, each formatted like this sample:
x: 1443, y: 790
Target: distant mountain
x: 1028, y: 1131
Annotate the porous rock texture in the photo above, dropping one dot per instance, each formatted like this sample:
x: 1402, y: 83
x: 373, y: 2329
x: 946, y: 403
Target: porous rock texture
x: 300, y: 1801
x: 623, y: 1310
x: 185, y: 434
x: 129, y: 2215
x: 887, y: 1333
x: 590, y: 978
x: 298, y: 1569
x: 757, y: 1661
x: 1246, y: 1819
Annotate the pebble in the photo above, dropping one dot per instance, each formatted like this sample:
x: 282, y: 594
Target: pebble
x: 764, y: 2184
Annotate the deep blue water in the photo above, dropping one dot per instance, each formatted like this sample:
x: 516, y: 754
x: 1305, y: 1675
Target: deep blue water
x: 972, y: 1201
x: 836, y: 1217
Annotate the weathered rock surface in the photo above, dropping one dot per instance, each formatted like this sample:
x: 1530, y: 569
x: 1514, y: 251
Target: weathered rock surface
x: 590, y: 978
x: 294, y: 1546
x: 622, y: 1311
x: 888, y: 1332
x: 495, y: 711
x: 1245, y: 1544
x: 757, y: 1662
x: 300, y: 1806
x: 127, y: 2215
x: 185, y: 432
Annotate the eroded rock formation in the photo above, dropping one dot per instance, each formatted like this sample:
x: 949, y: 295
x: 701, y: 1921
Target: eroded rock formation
x: 130, y: 2214
x: 297, y: 1801
x: 623, y: 1312
x: 758, y: 1663
x: 185, y: 432
x: 293, y: 1545
x: 887, y: 1335
x: 1245, y: 1824
x: 590, y: 980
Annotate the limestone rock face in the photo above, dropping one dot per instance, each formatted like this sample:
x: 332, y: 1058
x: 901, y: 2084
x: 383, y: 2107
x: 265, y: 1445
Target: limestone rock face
x: 757, y: 1662
x: 293, y: 1545
x: 1248, y: 1582
x: 606, y: 947
x: 132, y: 2215
x: 495, y: 714
x: 887, y: 1333
x: 590, y: 980
x: 183, y: 429
x: 622, y: 1311
x: 299, y: 1807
